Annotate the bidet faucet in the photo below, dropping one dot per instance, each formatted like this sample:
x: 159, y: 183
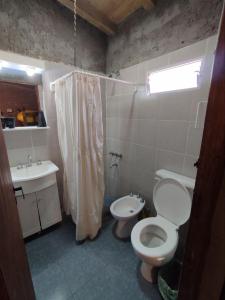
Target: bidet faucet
x: 29, y: 161
x: 19, y: 166
x: 140, y: 197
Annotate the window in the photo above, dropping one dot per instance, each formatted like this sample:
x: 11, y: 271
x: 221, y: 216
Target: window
x: 176, y: 78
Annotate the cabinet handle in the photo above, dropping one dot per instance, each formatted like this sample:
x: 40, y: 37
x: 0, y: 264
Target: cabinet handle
x: 19, y: 189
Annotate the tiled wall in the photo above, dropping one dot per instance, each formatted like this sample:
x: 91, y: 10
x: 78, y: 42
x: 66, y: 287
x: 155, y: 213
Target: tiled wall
x: 20, y: 144
x: 156, y: 131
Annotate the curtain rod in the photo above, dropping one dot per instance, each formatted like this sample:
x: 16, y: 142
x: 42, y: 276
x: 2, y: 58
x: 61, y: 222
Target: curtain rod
x: 94, y: 75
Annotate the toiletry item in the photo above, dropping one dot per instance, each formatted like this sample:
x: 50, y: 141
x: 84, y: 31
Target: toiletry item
x: 20, y: 117
x: 3, y: 122
x: 30, y: 117
x: 10, y: 122
x: 41, y: 119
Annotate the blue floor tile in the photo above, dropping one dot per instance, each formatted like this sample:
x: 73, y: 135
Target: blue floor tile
x: 50, y: 284
x: 105, y: 268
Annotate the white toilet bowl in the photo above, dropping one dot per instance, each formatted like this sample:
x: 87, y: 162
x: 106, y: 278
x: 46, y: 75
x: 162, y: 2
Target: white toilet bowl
x: 126, y: 210
x: 155, y: 239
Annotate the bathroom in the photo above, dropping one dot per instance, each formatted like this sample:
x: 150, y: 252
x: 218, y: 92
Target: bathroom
x: 151, y: 67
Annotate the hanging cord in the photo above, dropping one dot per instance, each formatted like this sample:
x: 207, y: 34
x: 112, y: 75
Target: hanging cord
x: 75, y: 32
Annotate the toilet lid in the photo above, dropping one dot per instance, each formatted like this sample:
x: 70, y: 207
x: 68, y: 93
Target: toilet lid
x: 172, y: 201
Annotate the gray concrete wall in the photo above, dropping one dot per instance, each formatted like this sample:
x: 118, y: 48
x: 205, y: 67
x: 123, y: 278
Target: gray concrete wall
x: 44, y: 29
x: 169, y: 26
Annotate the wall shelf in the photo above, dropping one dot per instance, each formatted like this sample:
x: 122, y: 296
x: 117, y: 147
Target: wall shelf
x: 24, y: 128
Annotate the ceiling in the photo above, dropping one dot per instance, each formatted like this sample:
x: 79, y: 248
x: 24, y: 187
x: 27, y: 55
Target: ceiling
x: 107, y: 14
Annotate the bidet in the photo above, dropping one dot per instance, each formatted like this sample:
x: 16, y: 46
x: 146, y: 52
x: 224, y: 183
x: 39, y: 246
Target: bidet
x: 125, y: 210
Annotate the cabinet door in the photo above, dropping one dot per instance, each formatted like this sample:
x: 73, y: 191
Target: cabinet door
x: 28, y: 213
x: 49, y: 206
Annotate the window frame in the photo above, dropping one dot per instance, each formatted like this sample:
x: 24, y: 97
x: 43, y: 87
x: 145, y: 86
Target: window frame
x: 201, y: 59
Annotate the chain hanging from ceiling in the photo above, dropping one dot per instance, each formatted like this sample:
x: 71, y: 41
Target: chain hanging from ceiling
x: 75, y: 32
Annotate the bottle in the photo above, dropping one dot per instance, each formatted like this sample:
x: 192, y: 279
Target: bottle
x: 41, y: 119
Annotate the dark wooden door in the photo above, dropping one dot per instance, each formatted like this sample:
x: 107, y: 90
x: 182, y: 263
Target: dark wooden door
x: 15, y: 278
x: 204, y: 262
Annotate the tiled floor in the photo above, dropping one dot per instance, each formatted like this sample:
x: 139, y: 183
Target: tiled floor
x: 102, y: 269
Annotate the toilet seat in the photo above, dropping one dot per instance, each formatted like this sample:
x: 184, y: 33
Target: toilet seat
x: 163, y: 250
x: 172, y: 201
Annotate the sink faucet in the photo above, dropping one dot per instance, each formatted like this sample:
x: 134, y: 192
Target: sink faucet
x: 29, y: 161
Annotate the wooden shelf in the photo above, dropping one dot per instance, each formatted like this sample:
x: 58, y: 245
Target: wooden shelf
x: 25, y: 128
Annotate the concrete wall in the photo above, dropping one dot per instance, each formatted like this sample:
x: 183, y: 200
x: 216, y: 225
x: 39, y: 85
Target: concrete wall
x: 44, y: 29
x: 169, y: 26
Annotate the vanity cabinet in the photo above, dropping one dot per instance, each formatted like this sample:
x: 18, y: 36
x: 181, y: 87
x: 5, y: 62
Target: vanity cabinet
x: 39, y: 210
x: 48, y: 206
x: 28, y: 213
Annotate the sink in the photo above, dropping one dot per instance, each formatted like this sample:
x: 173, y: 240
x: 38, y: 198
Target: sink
x: 36, y: 177
x: 34, y: 172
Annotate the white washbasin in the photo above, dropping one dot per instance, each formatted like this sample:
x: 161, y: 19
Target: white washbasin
x: 34, y: 172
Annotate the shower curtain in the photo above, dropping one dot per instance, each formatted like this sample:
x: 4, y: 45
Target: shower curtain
x: 80, y: 133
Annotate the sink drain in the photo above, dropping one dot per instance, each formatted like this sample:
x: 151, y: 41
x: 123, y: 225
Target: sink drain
x: 131, y: 211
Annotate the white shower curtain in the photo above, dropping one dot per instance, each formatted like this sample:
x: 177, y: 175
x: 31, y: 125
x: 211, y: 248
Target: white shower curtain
x: 80, y: 133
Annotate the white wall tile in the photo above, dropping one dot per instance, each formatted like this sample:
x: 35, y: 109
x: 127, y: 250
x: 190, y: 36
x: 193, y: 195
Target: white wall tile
x: 110, y: 88
x: 142, y: 182
x: 39, y: 137
x: 18, y: 156
x: 127, y: 107
x: 40, y: 153
x: 146, y: 106
x: 194, y: 140
x: 127, y: 149
x: 124, y: 186
x: 113, y: 106
x: 157, y: 131
x: 188, y: 167
x: 112, y: 128
x: 211, y: 44
x: 20, y: 144
x: 171, y: 135
x: 128, y: 129
x: 145, y: 132
x: 201, y: 113
x: 206, y: 72
x: 175, y: 105
x: 168, y: 160
x: 144, y: 158
x: 18, y: 139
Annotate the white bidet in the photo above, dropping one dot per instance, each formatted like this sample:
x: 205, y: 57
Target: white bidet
x: 126, y: 210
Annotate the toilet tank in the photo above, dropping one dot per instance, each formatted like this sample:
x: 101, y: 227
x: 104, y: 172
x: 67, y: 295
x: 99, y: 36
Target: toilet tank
x: 188, y: 182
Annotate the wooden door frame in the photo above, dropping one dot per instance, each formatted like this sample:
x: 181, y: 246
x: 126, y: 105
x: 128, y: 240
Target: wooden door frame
x: 204, y: 261
x: 15, y: 276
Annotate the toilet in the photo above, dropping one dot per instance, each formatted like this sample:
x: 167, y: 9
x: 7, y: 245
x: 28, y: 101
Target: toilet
x: 155, y: 239
x: 125, y: 210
